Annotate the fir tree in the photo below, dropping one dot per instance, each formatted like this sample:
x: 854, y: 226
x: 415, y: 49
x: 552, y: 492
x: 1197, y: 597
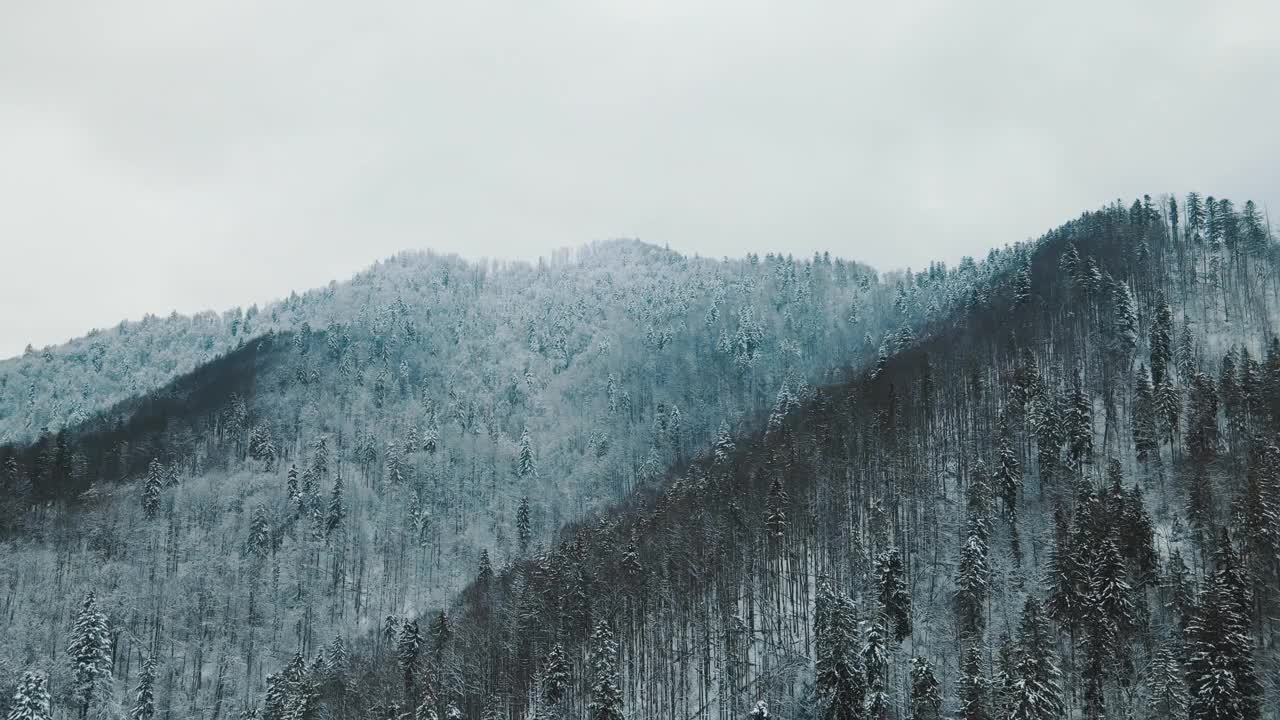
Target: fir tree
x: 776, y: 508
x: 839, y: 682
x: 556, y: 678
x: 440, y: 634
x: 875, y: 662
x: 972, y: 586
x: 1079, y: 424
x: 1008, y: 477
x: 151, y: 489
x: 259, y: 541
x: 291, y: 485
x: 1220, y: 675
x: 525, y: 465
x: 926, y: 691
x: 31, y: 699
x: 1037, y: 693
x: 895, y: 597
x: 1166, y: 691
x: 975, y: 700
x: 407, y: 651
x: 605, y: 694
x: 723, y: 447
x: 336, y: 512
x: 1161, y: 337
x: 144, y: 707
x: 522, y: 524
x: 90, y: 655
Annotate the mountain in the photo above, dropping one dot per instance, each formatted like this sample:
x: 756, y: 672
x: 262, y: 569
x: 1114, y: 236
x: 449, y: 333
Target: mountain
x: 452, y: 399
x: 669, y: 486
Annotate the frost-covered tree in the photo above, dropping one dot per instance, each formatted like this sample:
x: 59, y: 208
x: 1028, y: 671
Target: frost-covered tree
x: 151, y: 489
x: 90, y: 655
x: 144, y: 705
x: 408, y: 650
x: 894, y: 595
x: 840, y: 684
x: 31, y: 698
x: 926, y: 691
x: 604, y: 688
x: 525, y: 463
x: 1037, y: 692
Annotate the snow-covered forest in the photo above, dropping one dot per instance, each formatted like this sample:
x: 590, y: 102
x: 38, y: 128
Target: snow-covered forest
x: 629, y: 483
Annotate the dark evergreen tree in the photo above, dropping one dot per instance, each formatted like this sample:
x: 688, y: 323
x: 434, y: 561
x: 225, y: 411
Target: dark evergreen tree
x: 605, y: 693
x: 1037, y: 691
x: 31, y: 698
x: 151, y: 489
x: 144, y: 706
x: 1221, y: 678
x: 975, y: 690
x: 894, y: 596
x: 408, y: 650
x: 90, y: 655
x: 839, y: 683
x: 926, y: 691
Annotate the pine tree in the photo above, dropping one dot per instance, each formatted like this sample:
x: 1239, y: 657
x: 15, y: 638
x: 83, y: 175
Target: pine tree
x: 776, y: 508
x: 839, y: 682
x: 90, y: 655
x: 151, y: 489
x: 144, y: 707
x: 975, y: 700
x: 1124, y: 325
x: 1004, y: 681
x: 440, y: 634
x: 926, y: 691
x: 338, y: 656
x: 605, y: 695
x: 525, y: 464
x: 1066, y: 579
x: 259, y: 542
x: 277, y: 697
x: 390, y: 626
x: 1220, y: 674
x: 291, y: 485
x: 556, y: 677
x: 1079, y: 424
x: 407, y: 652
x: 875, y: 662
x: 1166, y: 691
x: 1161, y: 337
x: 336, y: 512
x: 972, y: 586
x: 895, y: 597
x: 1037, y: 693
x: 522, y: 525
x: 1008, y: 477
x: 1146, y: 433
x: 31, y: 699
x: 723, y: 447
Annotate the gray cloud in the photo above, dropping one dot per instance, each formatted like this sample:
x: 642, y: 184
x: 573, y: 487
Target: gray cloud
x: 162, y: 155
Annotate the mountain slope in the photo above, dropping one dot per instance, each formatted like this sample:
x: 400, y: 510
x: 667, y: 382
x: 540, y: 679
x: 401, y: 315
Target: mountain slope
x: 464, y: 407
x: 1014, y: 474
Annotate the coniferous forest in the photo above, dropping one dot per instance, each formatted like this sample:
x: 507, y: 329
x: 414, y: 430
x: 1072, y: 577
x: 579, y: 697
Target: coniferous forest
x: 626, y: 483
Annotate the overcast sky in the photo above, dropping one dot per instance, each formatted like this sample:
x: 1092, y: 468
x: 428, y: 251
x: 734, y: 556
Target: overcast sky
x: 157, y: 155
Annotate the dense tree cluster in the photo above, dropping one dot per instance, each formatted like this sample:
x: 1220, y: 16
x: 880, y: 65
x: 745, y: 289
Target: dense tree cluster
x: 1014, y: 508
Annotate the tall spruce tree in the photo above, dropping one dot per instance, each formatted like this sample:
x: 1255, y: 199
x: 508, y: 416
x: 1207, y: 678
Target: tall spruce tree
x: 604, y: 687
x: 90, y: 655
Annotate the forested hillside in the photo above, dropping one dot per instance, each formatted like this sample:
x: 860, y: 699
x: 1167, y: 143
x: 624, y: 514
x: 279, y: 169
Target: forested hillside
x: 1044, y: 485
x: 1060, y: 503
x: 315, y: 480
